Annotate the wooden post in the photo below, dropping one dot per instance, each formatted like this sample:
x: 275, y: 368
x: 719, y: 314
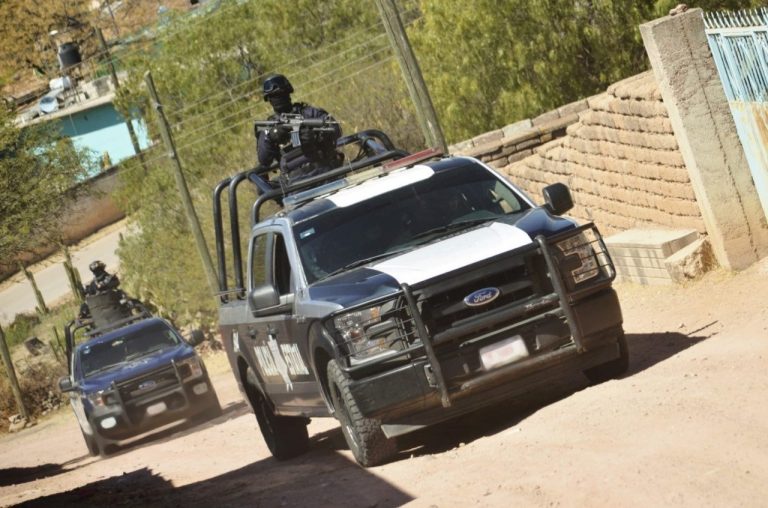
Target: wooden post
x: 116, y: 83
x: 42, y: 308
x: 181, y: 183
x: 73, y: 276
x: 425, y: 111
x: 6, y: 354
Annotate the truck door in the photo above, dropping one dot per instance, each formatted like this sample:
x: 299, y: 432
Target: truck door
x: 274, y: 336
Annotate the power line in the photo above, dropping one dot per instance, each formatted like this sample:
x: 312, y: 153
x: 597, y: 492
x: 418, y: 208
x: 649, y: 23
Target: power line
x: 252, y: 92
x: 364, y: 69
x: 256, y: 90
x: 187, y: 135
x: 289, y: 64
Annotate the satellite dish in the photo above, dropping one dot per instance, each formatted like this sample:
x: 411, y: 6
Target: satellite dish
x: 48, y: 104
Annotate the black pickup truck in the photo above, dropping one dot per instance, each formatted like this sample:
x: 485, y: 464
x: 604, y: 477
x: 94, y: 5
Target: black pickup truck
x: 401, y: 291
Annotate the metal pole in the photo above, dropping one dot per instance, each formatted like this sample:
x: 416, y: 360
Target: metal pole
x: 116, y: 83
x: 425, y: 111
x: 181, y: 183
x: 12, y: 375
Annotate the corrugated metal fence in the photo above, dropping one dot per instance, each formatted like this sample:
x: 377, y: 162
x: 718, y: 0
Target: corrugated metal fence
x: 739, y: 44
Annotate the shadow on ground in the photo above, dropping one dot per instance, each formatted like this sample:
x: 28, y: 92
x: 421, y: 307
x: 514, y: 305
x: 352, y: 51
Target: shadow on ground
x: 306, y: 481
x: 177, y: 430
x: 645, y: 351
x: 324, y: 477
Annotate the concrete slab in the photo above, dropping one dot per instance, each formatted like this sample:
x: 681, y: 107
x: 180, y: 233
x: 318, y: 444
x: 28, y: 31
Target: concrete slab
x: 651, y: 242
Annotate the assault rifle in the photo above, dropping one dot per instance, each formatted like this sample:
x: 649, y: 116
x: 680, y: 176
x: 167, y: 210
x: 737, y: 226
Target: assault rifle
x: 293, y: 125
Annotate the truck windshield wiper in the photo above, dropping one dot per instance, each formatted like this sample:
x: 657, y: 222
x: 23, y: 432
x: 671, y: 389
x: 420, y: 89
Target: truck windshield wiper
x: 105, y: 368
x: 365, y: 261
x: 453, y: 226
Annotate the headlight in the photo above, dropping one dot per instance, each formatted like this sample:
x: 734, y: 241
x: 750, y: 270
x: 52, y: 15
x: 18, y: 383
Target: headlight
x: 102, y: 398
x: 579, y: 258
x: 370, y: 332
x: 189, y: 367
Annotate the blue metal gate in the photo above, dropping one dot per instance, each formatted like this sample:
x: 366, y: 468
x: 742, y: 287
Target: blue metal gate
x: 739, y: 44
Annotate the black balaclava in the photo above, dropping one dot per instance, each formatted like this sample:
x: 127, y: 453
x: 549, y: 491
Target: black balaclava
x: 281, y: 103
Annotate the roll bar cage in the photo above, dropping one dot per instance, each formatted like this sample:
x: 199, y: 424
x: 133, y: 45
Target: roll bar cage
x: 375, y: 149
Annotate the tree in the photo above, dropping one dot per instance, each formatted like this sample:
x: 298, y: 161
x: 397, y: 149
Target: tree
x: 38, y: 171
x: 25, y: 29
x: 498, y: 62
x: 209, y: 77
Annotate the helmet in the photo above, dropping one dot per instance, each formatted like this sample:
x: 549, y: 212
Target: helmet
x: 276, y: 84
x: 97, y: 267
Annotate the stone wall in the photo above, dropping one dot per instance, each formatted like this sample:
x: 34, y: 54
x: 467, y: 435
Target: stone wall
x: 618, y: 154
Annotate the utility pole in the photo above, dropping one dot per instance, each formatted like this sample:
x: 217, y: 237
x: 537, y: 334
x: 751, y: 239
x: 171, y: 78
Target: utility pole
x: 425, y: 111
x: 116, y: 83
x: 6, y: 354
x: 181, y: 183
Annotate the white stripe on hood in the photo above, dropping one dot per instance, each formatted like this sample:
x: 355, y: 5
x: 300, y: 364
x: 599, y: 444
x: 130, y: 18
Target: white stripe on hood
x: 453, y: 253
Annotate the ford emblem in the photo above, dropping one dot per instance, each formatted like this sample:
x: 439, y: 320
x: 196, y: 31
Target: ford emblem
x: 147, y: 385
x: 481, y: 297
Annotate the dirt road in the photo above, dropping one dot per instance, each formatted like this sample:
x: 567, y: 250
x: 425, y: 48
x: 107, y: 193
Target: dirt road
x: 688, y: 426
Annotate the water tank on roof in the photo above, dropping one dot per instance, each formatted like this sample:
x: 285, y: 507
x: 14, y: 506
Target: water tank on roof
x: 69, y: 55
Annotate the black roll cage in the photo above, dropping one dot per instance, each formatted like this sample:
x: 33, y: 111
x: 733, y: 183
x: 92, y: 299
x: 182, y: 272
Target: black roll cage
x: 374, y: 144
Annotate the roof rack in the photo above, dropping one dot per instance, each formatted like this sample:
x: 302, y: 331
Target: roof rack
x: 374, y: 144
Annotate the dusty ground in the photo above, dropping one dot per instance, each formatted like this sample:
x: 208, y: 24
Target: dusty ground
x: 688, y: 426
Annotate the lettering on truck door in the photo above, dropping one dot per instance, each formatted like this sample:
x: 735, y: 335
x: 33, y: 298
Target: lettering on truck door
x: 276, y: 352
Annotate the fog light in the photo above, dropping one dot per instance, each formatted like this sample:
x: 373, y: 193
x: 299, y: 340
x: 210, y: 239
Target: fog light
x: 200, y: 388
x: 108, y: 423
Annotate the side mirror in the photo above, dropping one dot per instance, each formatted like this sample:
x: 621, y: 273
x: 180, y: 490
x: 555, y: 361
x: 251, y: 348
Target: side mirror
x: 558, y: 198
x: 66, y: 385
x: 264, y: 296
x: 196, y: 337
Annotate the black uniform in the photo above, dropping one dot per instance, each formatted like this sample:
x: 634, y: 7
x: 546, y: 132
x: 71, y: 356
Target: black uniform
x: 318, y: 152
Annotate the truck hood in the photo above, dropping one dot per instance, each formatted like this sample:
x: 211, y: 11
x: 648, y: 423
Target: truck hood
x: 448, y: 254
x: 136, y: 368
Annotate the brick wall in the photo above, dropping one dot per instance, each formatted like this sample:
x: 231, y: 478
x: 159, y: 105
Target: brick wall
x: 616, y: 151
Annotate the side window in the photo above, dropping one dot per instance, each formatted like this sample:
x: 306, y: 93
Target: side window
x: 281, y: 267
x: 258, y: 272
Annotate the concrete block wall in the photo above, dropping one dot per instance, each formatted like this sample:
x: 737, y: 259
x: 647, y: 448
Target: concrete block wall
x: 616, y: 151
x: 501, y: 147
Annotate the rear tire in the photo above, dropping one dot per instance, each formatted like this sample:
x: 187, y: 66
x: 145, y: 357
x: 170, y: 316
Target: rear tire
x: 364, y: 436
x: 614, y: 368
x: 286, y: 436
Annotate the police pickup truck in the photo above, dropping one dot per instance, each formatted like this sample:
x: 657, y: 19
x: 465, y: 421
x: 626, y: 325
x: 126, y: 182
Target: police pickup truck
x: 131, y: 375
x: 400, y: 291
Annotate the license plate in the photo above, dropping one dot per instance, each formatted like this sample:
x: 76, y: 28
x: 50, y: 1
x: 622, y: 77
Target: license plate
x: 156, y: 409
x: 503, y: 352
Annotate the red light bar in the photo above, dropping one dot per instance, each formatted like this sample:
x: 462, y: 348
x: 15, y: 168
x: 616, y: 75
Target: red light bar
x: 429, y: 153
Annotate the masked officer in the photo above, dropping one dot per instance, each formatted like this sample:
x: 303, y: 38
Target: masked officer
x: 318, y: 151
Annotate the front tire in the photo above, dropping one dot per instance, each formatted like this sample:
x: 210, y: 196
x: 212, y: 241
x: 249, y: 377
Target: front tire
x: 286, y: 436
x: 92, y: 444
x: 614, y: 368
x: 364, y: 436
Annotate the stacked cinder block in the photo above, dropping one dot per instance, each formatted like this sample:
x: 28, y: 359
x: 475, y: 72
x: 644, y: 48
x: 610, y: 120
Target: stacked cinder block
x: 621, y: 161
x: 514, y: 142
x: 658, y: 257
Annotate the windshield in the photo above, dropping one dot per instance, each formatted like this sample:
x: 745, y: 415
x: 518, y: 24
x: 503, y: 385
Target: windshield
x: 448, y: 201
x: 104, y: 356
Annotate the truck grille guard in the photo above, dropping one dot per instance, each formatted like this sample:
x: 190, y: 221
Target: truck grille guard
x: 555, y: 295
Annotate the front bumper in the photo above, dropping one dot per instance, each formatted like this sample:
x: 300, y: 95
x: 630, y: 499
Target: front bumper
x: 128, y: 419
x: 440, y: 373
x: 405, y: 399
